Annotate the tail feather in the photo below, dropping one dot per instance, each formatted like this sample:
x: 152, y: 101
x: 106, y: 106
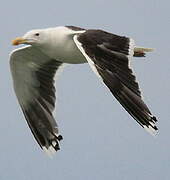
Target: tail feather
x: 141, y: 51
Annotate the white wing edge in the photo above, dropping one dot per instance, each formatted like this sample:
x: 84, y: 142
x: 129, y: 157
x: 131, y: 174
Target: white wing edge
x: 58, y: 72
x: 91, y: 63
x: 131, y: 49
x: 20, y: 48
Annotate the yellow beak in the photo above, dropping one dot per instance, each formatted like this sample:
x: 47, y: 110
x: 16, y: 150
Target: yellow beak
x: 18, y: 40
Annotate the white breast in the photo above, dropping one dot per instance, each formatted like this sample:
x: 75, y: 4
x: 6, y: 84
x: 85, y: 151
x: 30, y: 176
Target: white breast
x: 61, y: 46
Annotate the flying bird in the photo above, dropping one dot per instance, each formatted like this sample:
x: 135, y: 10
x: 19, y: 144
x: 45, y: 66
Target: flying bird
x: 34, y: 66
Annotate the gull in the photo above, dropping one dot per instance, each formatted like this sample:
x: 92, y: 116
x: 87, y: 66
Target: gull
x: 35, y: 65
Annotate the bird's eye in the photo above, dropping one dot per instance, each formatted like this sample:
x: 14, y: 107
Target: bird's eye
x: 37, y: 34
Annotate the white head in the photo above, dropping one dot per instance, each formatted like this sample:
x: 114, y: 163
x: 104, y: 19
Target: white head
x: 34, y: 37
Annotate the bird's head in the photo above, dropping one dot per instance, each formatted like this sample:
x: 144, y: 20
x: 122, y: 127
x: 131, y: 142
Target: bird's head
x: 34, y: 37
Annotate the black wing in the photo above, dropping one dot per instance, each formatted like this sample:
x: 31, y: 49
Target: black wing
x: 109, y: 55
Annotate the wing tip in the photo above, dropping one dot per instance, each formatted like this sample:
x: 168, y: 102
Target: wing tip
x: 50, y: 151
x: 152, y: 128
x: 53, y: 147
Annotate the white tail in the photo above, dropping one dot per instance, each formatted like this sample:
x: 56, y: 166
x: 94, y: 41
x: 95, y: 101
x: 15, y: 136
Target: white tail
x: 143, y: 49
x: 140, y: 51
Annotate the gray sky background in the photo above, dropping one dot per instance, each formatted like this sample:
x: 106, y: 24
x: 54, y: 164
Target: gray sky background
x: 101, y: 141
